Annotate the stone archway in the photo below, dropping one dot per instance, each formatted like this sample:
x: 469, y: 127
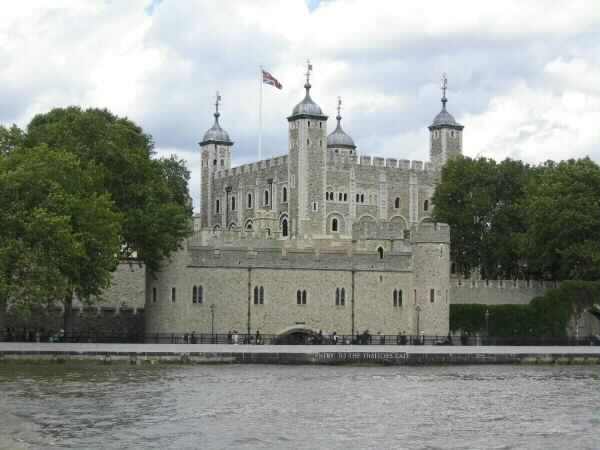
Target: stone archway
x: 297, y: 335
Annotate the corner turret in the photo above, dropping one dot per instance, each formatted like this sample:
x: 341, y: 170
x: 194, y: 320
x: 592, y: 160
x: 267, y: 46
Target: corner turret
x: 445, y: 134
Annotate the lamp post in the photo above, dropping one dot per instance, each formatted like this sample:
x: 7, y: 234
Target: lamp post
x: 212, y: 321
x: 487, y: 323
x: 418, y: 319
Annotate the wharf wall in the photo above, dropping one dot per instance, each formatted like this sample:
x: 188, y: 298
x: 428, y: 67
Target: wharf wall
x: 326, y: 355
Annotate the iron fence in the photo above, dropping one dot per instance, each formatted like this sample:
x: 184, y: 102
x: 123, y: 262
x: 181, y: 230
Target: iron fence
x: 295, y: 339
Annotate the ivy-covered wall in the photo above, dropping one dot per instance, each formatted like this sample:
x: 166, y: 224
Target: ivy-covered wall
x: 547, y: 315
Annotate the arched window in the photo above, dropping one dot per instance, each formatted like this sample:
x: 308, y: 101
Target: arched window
x: 380, y: 252
x: 395, y: 298
x: 304, y: 297
x: 233, y: 203
x: 334, y: 224
x: 249, y: 225
x: 426, y: 205
x: 343, y: 297
x: 399, y: 297
x: 357, y: 198
x: 340, y: 196
x: 397, y: 203
x: 249, y: 201
x: 256, y: 295
x: 266, y: 198
x: 200, y: 295
x: 284, y: 194
x: 214, y: 162
x: 362, y: 198
x: 298, y: 297
x: 284, y: 227
x: 337, y: 296
x: 194, y: 294
x: 217, y: 205
x: 261, y: 293
x: 345, y: 196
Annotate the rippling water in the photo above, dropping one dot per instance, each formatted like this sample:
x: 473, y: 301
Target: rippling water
x: 299, y: 407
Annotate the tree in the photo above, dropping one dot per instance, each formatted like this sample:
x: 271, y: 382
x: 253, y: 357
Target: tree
x: 478, y: 198
x: 151, y: 194
x: 60, y: 238
x: 562, y: 215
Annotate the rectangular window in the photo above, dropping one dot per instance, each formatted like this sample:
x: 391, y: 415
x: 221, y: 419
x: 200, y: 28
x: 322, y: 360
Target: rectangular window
x: 153, y: 295
x: 200, y: 294
x: 173, y: 295
x: 432, y: 295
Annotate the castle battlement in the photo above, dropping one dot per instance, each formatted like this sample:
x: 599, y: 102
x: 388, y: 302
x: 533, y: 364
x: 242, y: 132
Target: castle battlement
x: 503, y: 284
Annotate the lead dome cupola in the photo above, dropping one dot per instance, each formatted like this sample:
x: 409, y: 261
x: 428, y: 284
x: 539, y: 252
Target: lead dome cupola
x: 216, y: 134
x: 307, y: 107
x: 339, y: 138
x: 444, y: 119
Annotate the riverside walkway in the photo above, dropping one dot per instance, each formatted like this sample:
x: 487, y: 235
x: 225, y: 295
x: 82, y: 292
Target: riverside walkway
x: 297, y: 354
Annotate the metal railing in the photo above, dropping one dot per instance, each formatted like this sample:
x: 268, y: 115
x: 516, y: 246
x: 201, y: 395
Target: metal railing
x: 295, y: 339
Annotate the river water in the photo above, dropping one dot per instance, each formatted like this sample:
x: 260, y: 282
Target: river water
x: 299, y: 407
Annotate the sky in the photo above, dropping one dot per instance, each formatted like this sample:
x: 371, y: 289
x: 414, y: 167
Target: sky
x: 523, y: 76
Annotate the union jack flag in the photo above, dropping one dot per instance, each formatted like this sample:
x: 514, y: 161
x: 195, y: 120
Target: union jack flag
x: 271, y: 80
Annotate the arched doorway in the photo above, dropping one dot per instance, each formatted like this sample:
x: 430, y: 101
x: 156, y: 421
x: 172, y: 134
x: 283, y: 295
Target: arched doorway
x: 297, y: 336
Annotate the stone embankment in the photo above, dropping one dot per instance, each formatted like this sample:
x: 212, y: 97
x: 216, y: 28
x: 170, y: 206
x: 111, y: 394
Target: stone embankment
x: 298, y: 354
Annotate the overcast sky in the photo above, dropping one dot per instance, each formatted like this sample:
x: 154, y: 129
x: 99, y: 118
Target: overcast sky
x: 523, y: 76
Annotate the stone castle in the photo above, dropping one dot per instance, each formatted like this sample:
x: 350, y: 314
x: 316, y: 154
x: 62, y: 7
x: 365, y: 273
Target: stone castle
x: 317, y: 239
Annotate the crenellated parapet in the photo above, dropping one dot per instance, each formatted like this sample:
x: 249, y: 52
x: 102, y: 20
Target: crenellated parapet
x: 255, y: 167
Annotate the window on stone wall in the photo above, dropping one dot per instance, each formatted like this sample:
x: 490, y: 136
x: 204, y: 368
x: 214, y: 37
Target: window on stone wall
x: 362, y: 198
x: 397, y: 298
x: 154, y: 295
x: 340, y: 196
x: 214, y: 162
x: 217, y: 206
x: 337, y: 296
x: 432, y: 295
x: 284, y: 195
x: 397, y: 203
x: 345, y: 197
x: 266, y: 198
x: 284, y: 227
x: 233, y: 203
x: 380, y: 252
x: 222, y: 163
x: 200, y: 295
x: 357, y: 198
x: 259, y: 295
x: 343, y: 297
x: 249, y: 201
x: 301, y: 297
x: 173, y: 295
x: 194, y: 294
x: 334, y: 225
x: 426, y: 205
x: 315, y: 206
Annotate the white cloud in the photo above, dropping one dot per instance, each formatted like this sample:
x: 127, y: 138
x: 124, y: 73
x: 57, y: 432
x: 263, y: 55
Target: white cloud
x: 523, y: 75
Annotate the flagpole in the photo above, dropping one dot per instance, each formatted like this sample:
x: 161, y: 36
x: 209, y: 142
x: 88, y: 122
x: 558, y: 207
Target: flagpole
x: 260, y: 116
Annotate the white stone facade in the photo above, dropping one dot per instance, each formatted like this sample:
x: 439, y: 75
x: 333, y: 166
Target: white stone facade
x: 317, y: 239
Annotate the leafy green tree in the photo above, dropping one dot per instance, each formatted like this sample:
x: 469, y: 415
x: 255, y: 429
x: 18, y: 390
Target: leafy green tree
x: 60, y: 238
x: 479, y: 198
x: 561, y: 210
x: 151, y: 194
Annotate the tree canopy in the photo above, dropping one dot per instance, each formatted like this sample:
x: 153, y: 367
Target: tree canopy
x: 512, y: 220
x: 78, y: 190
x: 151, y: 193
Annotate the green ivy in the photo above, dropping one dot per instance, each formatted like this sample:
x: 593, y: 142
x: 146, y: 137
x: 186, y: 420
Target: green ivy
x: 547, y: 315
